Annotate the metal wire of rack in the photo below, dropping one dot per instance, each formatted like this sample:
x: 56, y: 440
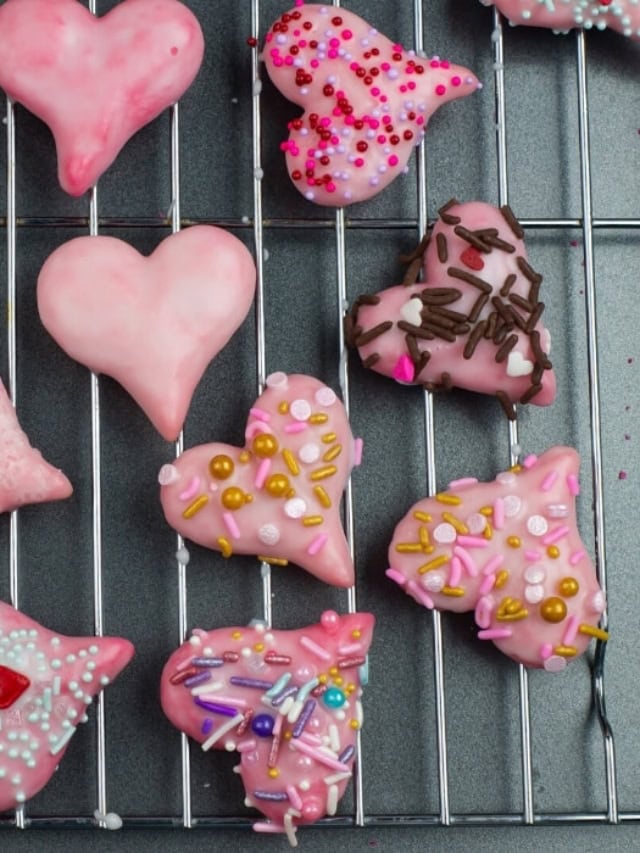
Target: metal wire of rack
x: 341, y: 225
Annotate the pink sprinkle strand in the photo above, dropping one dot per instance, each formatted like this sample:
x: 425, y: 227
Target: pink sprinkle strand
x: 246, y: 745
x: 395, y: 575
x: 296, y: 426
x: 494, y: 563
x: 498, y: 514
x: 530, y: 461
x: 467, y: 561
x: 473, y: 541
x: 532, y: 556
x: 573, y: 484
x: 455, y: 573
x: 318, y: 544
x: 231, y: 525
x: 575, y: 558
x: 464, y: 481
x: 420, y: 595
x: 320, y: 757
x: 261, y: 473
x: 495, y: 634
x: 549, y: 480
x: 555, y: 535
x: 546, y: 650
x: 483, y: 612
x: 294, y: 797
x: 313, y: 647
x: 260, y: 414
x: 486, y: 586
x: 192, y: 488
x: 358, y: 447
x: 570, y: 631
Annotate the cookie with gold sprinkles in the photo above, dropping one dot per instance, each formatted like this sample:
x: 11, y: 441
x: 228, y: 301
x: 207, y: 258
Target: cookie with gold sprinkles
x: 511, y: 552
x: 287, y: 701
x: 278, y: 497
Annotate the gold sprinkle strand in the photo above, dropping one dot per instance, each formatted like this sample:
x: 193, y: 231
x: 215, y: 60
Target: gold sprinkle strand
x: 312, y: 520
x: 409, y: 548
x: 445, y: 498
x: 442, y: 560
x: 319, y: 418
x: 322, y: 496
x: 332, y: 453
x: 453, y: 591
x: 501, y: 578
x: 225, y: 546
x: 290, y: 462
x: 488, y: 531
x: 329, y: 437
x: 283, y: 408
x: 425, y: 542
x: 422, y: 516
x: 592, y: 631
x: 245, y: 456
x: 195, y: 506
x: 459, y: 526
x: 513, y: 541
x: 486, y: 511
x: 511, y: 610
x: 323, y: 473
x: 273, y: 561
x: 565, y: 651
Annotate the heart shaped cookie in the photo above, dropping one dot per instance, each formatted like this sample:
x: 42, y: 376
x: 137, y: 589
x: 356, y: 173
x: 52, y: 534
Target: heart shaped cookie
x: 366, y: 101
x: 475, y: 320
x: 511, y: 551
x: 25, y: 477
x: 154, y: 323
x: 96, y: 81
x: 287, y: 701
x: 620, y: 15
x: 47, y: 682
x: 278, y: 497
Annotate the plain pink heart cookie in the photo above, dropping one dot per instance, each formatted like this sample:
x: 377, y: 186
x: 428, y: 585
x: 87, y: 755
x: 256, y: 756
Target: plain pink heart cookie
x: 154, y: 323
x: 366, y: 100
x: 47, y: 682
x: 25, y: 477
x: 475, y: 320
x: 620, y: 15
x: 287, y: 701
x: 96, y: 81
x: 510, y: 551
x: 278, y: 497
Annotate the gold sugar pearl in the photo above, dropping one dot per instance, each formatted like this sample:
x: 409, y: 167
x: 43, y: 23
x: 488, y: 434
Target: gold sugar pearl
x: 277, y: 485
x: 569, y: 587
x: 221, y: 466
x: 553, y: 609
x: 265, y: 445
x: 356, y: 633
x: 273, y: 772
x: 354, y: 724
x: 553, y: 551
x: 513, y: 541
x: 334, y: 670
x: 233, y: 498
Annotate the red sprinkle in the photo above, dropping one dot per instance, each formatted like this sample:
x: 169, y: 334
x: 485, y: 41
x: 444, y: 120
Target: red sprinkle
x: 252, y: 42
x: 471, y: 258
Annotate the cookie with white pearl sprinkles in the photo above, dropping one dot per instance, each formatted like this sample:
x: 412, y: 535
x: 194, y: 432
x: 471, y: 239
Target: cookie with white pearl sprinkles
x: 95, y: 81
x: 287, y: 701
x: 278, y: 497
x: 366, y: 101
x: 474, y: 322
x: 623, y: 16
x: 47, y: 683
x: 511, y: 552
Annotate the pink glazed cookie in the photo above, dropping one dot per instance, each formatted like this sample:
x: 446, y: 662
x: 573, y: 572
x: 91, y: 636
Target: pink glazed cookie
x: 25, y: 477
x: 278, y: 497
x: 287, y: 701
x: 96, y: 81
x: 475, y: 320
x: 366, y: 101
x: 47, y: 682
x: 563, y: 15
x: 154, y: 323
x: 511, y: 552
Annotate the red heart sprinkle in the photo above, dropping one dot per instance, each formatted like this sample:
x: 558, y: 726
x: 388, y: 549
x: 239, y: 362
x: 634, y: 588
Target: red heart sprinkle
x: 471, y: 258
x: 12, y: 686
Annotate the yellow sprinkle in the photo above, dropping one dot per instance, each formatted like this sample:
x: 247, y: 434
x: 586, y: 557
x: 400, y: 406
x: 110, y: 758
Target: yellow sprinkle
x: 355, y: 725
x: 332, y: 453
x: 511, y: 610
x: 319, y: 418
x: 290, y: 494
x: 329, y: 437
x: 350, y: 687
x: 553, y: 551
x: 333, y: 670
x: 565, y: 651
x: 456, y: 523
x: 195, y: 506
x: 409, y: 548
x: 488, y: 531
x: 486, y: 511
x: 356, y: 633
x: 422, y: 516
x: 225, y: 546
x: 312, y: 520
x: 442, y: 560
x: 512, y: 617
x: 453, y: 591
x: 515, y: 469
x: 592, y: 631
x: 444, y: 498
x: 259, y: 647
x: 323, y: 473
x: 323, y: 678
x: 273, y: 561
x: 283, y: 408
x: 425, y: 542
x: 288, y: 734
x: 273, y: 772
x: 322, y: 496
x: 338, y: 681
x: 236, y: 635
x: 513, y: 541
x: 501, y: 578
x: 290, y: 462
x: 245, y: 456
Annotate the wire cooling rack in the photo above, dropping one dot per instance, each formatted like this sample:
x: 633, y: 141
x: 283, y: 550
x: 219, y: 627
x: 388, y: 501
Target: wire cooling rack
x: 339, y: 227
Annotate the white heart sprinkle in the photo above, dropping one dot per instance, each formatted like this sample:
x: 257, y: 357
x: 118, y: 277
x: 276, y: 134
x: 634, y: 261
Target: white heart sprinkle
x: 410, y: 311
x: 517, y: 365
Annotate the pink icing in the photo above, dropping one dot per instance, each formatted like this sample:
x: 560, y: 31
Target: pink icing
x: 296, y: 747
x: 621, y: 15
x: 47, y: 682
x: 96, y: 81
x: 154, y: 323
x: 522, y: 607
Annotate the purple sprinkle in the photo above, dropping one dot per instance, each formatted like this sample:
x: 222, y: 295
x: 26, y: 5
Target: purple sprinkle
x: 210, y: 662
x: 347, y: 754
x: 226, y: 710
x: 274, y: 796
x: 207, y: 725
x: 197, y: 679
x: 250, y: 682
x: 303, y: 719
x: 288, y: 691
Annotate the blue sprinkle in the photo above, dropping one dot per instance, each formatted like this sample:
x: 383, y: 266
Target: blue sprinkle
x: 347, y: 754
x: 207, y: 725
x: 211, y: 662
x: 251, y: 682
